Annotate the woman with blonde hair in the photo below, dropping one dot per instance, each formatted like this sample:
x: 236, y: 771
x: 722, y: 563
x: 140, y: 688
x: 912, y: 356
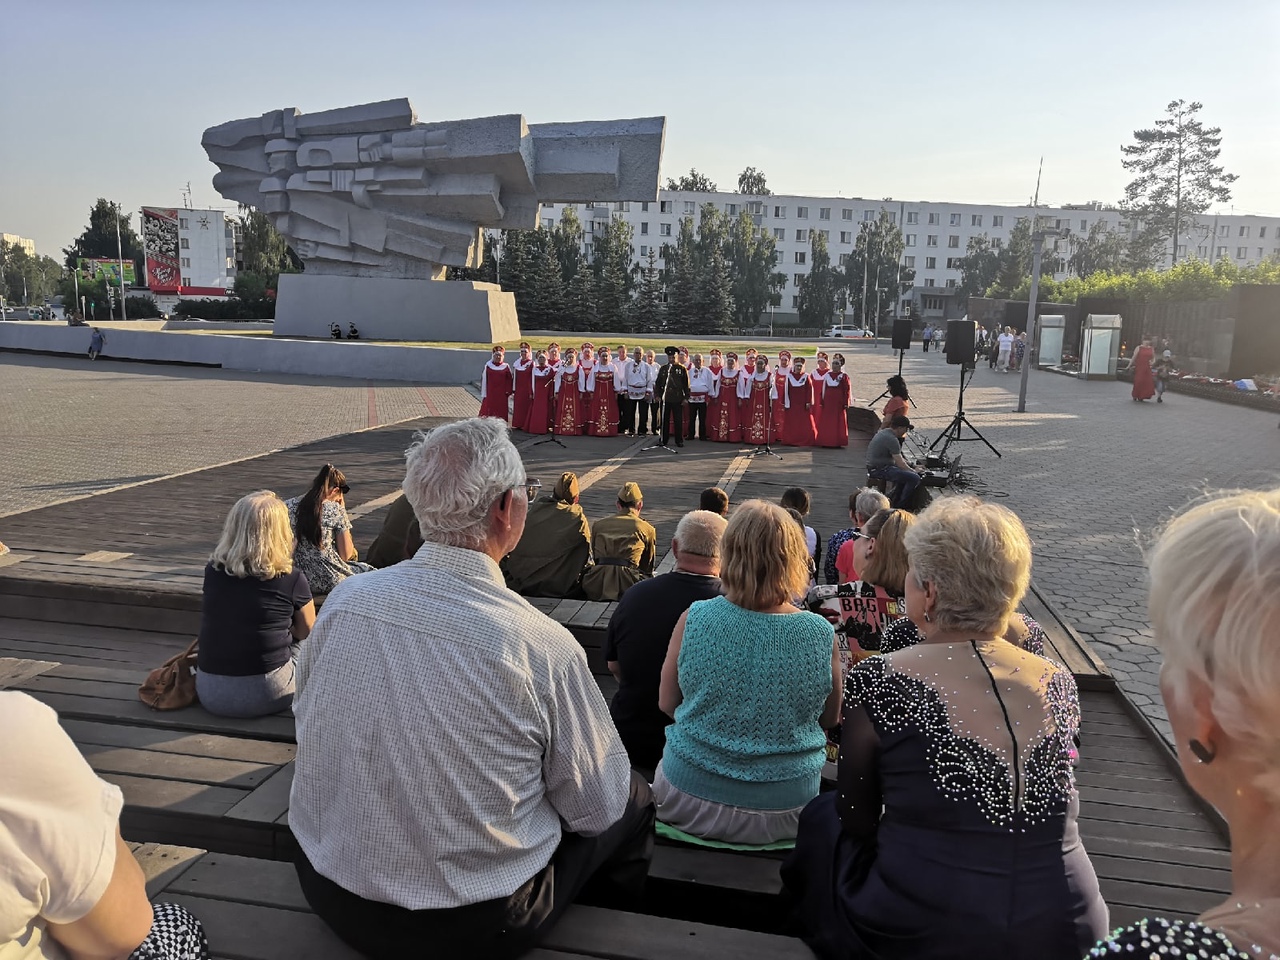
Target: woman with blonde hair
x: 256, y: 608
x: 953, y: 830
x: 1215, y: 612
x: 751, y: 682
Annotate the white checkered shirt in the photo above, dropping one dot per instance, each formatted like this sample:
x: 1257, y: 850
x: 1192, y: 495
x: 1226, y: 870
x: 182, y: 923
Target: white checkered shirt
x: 446, y: 729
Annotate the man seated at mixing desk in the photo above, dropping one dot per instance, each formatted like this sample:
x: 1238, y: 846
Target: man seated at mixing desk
x: 886, y: 462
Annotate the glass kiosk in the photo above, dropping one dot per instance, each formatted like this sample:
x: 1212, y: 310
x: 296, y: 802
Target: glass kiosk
x: 1052, y: 329
x: 1100, y: 346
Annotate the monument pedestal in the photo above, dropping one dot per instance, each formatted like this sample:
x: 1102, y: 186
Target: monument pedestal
x: 461, y: 311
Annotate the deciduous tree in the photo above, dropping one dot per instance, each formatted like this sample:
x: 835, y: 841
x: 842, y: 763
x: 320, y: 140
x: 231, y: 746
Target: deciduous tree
x: 874, y: 273
x: 1178, y: 176
x: 265, y: 252
x: 754, y: 280
x: 819, y: 290
x: 99, y: 237
x: 1101, y: 250
x: 692, y: 182
x: 751, y: 181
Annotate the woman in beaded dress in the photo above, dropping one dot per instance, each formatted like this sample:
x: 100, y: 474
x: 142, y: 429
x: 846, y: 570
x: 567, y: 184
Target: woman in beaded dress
x: 953, y: 830
x: 1215, y: 614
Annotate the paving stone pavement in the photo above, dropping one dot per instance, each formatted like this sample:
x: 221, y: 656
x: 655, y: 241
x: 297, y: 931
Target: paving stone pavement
x: 1092, y: 474
x: 71, y: 427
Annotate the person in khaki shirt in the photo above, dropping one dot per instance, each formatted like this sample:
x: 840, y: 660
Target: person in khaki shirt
x: 555, y: 547
x: 624, y: 547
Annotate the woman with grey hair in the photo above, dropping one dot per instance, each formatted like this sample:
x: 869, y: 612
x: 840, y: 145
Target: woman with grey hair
x: 953, y: 831
x: 1215, y: 612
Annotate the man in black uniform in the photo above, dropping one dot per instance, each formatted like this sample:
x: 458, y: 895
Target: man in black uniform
x: 673, y: 388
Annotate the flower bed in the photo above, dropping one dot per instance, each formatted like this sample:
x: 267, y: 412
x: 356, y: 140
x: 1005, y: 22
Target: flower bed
x: 1224, y: 391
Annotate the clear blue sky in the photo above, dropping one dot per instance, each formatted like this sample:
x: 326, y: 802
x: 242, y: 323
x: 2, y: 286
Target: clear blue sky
x: 906, y: 99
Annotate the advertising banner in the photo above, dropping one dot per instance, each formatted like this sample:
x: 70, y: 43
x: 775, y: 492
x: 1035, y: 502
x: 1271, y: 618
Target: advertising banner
x: 160, y: 240
x: 92, y: 268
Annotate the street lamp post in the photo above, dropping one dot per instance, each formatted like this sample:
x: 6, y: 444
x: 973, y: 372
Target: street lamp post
x: 1037, y: 248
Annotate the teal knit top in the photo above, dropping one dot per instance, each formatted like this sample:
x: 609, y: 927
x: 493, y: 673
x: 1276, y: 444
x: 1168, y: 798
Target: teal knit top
x: 754, y: 686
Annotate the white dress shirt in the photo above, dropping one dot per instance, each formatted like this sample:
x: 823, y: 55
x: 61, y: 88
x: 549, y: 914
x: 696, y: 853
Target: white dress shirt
x: 446, y: 729
x: 699, y: 384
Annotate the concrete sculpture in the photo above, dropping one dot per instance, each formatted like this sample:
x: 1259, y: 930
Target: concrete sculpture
x: 377, y: 205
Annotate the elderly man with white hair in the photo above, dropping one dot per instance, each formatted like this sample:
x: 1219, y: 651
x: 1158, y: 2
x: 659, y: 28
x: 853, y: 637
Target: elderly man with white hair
x: 458, y: 778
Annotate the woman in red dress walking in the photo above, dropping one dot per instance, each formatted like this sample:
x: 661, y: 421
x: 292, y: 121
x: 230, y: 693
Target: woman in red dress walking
x: 496, y: 385
x: 1144, y: 384
x: 797, y: 404
x: 542, y: 405
x: 833, y: 405
x: 602, y: 419
x: 569, y: 414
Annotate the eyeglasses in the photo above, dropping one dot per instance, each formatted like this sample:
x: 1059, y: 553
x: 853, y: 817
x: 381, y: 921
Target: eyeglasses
x: 344, y: 488
x: 531, y: 488
x: 859, y: 535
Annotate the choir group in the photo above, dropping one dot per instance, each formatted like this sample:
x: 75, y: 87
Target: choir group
x: 604, y: 395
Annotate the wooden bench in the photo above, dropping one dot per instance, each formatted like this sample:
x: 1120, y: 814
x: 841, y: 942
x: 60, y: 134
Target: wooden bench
x: 254, y: 910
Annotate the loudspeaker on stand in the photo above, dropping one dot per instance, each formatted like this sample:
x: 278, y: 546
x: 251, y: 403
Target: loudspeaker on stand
x: 902, y: 333
x: 961, y: 341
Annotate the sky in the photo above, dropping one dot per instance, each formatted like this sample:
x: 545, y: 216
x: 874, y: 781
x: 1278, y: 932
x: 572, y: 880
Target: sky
x: 908, y: 99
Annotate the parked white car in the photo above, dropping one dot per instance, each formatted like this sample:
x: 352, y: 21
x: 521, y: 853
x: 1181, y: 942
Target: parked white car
x: 850, y: 332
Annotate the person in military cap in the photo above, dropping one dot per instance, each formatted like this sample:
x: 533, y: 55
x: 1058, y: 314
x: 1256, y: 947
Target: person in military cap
x: 624, y: 547
x: 555, y: 546
x: 672, y: 388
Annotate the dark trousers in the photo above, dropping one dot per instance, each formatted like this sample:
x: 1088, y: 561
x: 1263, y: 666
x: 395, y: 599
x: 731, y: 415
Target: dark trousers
x: 673, y: 423
x: 646, y: 412
x: 905, y: 482
x: 608, y: 870
x: 626, y: 414
x: 925, y: 344
x: 698, y: 420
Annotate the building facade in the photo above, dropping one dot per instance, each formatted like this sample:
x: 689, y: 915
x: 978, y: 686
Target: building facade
x: 936, y: 235
x: 13, y: 240
x: 189, y: 253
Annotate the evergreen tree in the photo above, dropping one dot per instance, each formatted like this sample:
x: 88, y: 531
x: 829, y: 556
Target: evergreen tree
x: 546, y: 287
x: 713, y: 297
x: 648, y: 314
x: 682, y: 281
x: 611, y: 266
x: 581, y: 308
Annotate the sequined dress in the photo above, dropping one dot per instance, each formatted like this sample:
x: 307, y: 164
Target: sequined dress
x: 953, y: 832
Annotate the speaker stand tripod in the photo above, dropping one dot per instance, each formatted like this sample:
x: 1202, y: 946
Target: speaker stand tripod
x: 952, y: 434
x: 550, y: 438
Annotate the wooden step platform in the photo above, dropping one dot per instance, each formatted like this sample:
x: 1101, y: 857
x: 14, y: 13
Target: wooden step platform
x: 254, y: 910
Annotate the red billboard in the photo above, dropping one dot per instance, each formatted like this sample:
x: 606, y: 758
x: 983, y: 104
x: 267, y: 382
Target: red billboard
x: 160, y: 238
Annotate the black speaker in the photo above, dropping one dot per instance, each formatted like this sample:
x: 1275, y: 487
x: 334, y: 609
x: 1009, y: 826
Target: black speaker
x: 960, y: 341
x: 902, y: 333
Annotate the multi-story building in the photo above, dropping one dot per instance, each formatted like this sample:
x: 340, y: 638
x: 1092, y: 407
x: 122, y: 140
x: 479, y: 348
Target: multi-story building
x: 13, y: 240
x: 936, y: 234
x: 189, y: 253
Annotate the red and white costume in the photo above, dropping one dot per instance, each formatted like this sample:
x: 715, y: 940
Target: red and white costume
x: 496, y: 386
x: 797, y: 416
x: 523, y: 372
x: 602, y: 408
x: 570, y: 413
x: 723, y: 421
x: 542, y: 404
x: 833, y: 409
x: 757, y: 392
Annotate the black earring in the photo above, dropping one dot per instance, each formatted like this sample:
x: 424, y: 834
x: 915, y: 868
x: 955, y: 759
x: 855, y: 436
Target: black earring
x: 1202, y: 753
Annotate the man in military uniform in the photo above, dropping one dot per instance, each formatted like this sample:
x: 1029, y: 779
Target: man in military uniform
x: 673, y: 389
x: 624, y: 547
x: 555, y: 546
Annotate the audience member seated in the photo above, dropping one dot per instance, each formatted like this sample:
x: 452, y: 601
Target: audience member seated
x: 1215, y: 613
x: 953, y: 830
x: 1022, y: 632
x: 255, y: 609
x: 622, y: 547
x: 640, y: 629
x: 863, y: 609
x: 863, y: 504
x: 399, y: 530
x: 715, y: 500
x: 322, y: 546
x: 751, y: 682
x: 886, y: 462
x: 898, y: 400
x: 458, y: 781
x: 798, y: 499
x: 69, y: 886
x: 550, y: 557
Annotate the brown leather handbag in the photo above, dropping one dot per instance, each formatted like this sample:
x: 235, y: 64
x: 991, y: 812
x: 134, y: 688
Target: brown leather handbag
x: 173, y: 685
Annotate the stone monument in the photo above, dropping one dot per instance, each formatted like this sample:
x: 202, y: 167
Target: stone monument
x: 377, y: 205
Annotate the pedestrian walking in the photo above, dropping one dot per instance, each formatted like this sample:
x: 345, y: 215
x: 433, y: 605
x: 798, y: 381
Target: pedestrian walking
x: 97, y: 340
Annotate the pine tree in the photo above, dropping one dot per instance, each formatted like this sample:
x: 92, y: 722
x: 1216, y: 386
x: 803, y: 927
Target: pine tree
x: 682, y: 281
x: 647, y: 312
